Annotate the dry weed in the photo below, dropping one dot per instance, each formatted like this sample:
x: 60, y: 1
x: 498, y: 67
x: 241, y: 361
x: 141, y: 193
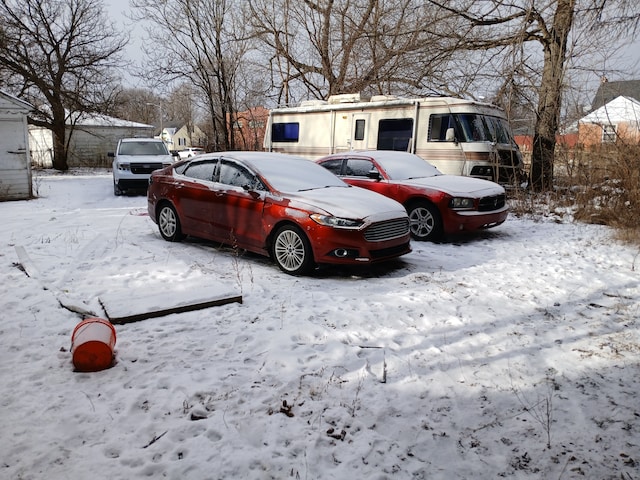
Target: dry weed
x: 599, y: 186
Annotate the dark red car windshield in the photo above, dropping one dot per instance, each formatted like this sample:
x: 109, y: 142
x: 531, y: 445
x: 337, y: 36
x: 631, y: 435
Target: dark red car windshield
x: 403, y: 166
x: 296, y: 174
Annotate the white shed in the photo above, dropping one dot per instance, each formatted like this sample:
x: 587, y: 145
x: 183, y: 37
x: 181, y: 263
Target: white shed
x: 94, y: 136
x: 15, y: 164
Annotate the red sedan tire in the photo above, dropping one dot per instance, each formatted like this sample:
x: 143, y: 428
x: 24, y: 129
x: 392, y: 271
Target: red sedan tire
x: 291, y: 250
x: 169, y: 223
x: 425, y: 223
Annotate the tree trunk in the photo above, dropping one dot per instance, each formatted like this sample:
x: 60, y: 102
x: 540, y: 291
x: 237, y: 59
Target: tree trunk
x: 58, y: 131
x: 214, y: 125
x: 549, y: 102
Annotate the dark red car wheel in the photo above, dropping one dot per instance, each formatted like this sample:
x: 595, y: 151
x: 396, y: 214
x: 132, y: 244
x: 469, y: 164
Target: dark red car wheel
x: 424, y: 221
x: 169, y: 223
x: 291, y: 250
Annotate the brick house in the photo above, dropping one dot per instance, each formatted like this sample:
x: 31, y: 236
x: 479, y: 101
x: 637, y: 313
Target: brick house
x: 617, y: 120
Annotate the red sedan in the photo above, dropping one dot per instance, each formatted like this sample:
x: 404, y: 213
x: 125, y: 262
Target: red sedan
x: 277, y: 205
x: 437, y: 204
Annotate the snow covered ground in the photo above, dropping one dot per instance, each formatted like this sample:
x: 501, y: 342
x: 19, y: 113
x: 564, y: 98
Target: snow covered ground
x: 513, y: 353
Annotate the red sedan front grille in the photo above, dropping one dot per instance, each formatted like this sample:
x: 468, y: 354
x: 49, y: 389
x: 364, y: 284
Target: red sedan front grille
x: 488, y: 204
x: 388, y: 230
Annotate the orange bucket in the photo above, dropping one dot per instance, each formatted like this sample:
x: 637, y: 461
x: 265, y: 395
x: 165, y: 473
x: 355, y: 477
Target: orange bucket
x: 92, y: 345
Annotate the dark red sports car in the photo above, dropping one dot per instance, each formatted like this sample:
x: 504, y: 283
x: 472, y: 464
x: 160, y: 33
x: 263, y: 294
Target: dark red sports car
x: 279, y: 205
x: 437, y: 204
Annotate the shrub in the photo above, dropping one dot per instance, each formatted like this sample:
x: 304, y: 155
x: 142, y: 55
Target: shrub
x: 599, y: 186
x: 610, y: 188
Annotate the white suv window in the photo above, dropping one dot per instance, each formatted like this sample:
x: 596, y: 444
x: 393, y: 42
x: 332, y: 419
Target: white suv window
x: 143, y: 148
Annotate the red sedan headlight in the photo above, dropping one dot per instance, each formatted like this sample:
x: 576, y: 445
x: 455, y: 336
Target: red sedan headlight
x: 336, y: 222
x: 461, y: 203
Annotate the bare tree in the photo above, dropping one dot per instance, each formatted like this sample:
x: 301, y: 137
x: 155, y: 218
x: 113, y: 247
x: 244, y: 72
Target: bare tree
x: 142, y: 105
x: 181, y: 105
x: 137, y: 105
x: 507, y: 25
x: 326, y: 47
x: 203, y: 42
x: 59, y: 55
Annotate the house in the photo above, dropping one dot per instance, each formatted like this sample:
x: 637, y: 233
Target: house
x: 15, y: 163
x: 248, y: 130
x: 566, y: 142
x: 94, y: 136
x: 249, y: 127
x: 617, y: 120
x: 610, y: 90
x: 179, y: 137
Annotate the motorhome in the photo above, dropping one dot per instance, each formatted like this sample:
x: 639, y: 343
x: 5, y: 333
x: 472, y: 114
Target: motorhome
x: 459, y: 137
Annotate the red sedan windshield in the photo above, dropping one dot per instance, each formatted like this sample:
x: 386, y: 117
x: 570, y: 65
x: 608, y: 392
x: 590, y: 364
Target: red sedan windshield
x: 403, y: 166
x: 295, y: 174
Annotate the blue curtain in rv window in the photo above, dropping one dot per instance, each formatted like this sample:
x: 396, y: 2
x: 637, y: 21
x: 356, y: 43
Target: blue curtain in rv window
x: 285, y: 132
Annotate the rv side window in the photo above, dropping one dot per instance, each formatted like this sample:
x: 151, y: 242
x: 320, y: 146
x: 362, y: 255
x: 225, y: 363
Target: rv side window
x: 285, y: 132
x: 394, y: 134
x: 438, y: 126
x: 359, y: 133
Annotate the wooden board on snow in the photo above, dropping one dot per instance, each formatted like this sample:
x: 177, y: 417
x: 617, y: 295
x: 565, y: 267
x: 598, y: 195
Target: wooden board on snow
x: 129, y: 306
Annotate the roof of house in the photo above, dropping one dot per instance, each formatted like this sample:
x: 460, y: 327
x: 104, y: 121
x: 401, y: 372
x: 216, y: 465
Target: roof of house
x: 620, y: 109
x: 15, y: 101
x: 609, y: 91
x: 96, y: 120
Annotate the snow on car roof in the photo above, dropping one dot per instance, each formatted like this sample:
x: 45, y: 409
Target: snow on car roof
x: 288, y: 173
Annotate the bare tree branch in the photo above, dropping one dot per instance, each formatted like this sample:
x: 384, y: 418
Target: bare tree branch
x: 550, y: 25
x: 59, y: 56
x: 326, y: 47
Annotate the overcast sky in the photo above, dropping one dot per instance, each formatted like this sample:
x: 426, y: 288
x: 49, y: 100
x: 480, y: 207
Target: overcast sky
x: 627, y: 59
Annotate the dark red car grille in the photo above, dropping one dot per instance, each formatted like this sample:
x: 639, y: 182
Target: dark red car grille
x: 382, y: 231
x: 488, y: 204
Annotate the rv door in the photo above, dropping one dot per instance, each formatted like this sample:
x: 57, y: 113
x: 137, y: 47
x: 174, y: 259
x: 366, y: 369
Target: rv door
x: 360, y: 131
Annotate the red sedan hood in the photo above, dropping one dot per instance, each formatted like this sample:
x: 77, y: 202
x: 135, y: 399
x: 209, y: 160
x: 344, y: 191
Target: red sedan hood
x: 458, y: 185
x: 350, y: 202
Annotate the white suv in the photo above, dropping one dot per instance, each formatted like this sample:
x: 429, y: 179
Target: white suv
x: 134, y: 160
x: 190, y: 152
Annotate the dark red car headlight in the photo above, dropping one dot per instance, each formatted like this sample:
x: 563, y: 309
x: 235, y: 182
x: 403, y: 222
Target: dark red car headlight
x: 462, y: 203
x: 336, y: 222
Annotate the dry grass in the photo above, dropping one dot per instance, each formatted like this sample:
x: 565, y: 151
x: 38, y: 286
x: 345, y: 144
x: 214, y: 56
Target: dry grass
x: 597, y: 186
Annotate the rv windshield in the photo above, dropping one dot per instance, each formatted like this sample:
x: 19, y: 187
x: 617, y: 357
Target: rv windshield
x: 482, y: 128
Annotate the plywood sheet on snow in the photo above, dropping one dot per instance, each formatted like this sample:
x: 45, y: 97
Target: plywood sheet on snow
x: 131, y: 306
